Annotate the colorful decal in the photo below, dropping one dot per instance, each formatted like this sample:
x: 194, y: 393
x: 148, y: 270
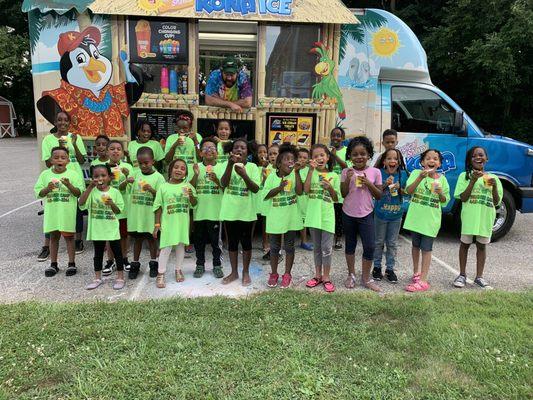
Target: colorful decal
x: 78, y: 69
x: 327, y: 88
x: 158, y: 41
x: 291, y: 128
x: 164, y: 6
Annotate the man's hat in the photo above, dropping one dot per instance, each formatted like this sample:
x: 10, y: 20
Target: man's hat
x: 68, y: 41
x: 229, y: 65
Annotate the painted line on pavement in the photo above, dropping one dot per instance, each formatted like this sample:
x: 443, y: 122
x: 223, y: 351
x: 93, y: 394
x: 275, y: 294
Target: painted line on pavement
x: 19, y: 208
x: 441, y: 263
x: 140, y: 285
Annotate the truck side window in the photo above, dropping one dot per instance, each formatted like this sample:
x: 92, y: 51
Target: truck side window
x: 419, y: 110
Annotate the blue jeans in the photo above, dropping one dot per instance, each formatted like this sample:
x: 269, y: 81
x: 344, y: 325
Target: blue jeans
x: 386, y: 234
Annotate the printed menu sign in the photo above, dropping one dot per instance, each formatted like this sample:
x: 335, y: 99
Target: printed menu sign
x: 162, y: 121
x: 297, y: 129
x: 153, y: 40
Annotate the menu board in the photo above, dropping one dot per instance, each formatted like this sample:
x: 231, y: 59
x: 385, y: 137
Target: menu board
x: 162, y: 121
x: 155, y: 40
x: 296, y: 129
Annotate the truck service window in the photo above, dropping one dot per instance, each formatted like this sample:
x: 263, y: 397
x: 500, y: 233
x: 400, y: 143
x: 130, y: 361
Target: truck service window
x: 290, y: 68
x: 419, y: 110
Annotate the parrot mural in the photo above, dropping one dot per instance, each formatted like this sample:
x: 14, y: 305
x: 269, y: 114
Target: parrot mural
x: 327, y: 88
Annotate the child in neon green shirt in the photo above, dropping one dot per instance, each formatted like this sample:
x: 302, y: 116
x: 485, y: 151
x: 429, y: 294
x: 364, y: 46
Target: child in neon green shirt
x: 59, y: 188
x: 171, y: 206
x: 104, y: 204
x: 100, y: 147
x: 207, y: 212
x: 303, y: 162
x: 322, y: 186
x: 283, y: 220
x: 223, y: 133
x: 144, y: 132
x: 240, y: 181
x: 430, y: 192
x: 338, y: 155
x: 480, y: 193
x: 143, y: 186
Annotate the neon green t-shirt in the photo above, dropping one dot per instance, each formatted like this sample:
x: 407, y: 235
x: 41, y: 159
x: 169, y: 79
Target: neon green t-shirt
x: 175, y: 218
x: 140, y: 213
x: 117, y: 177
x: 303, y: 198
x: 262, y: 205
x: 342, y: 155
x: 283, y: 214
x: 222, y: 157
x: 424, y: 214
x: 97, y: 161
x: 102, y: 223
x: 209, y: 194
x: 60, y: 206
x: 50, y: 141
x: 238, y: 202
x: 479, y: 212
x: 187, y: 152
x: 320, y: 213
x: 134, y: 146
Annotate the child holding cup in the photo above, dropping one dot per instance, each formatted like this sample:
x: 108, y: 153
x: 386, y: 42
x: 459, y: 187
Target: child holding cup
x: 429, y: 192
x: 480, y: 193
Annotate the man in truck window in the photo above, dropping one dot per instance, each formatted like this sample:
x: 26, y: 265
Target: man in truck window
x: 229, y: 87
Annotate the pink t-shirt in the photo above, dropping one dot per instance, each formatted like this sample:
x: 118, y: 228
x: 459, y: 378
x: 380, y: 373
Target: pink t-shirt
x: 359, y: 201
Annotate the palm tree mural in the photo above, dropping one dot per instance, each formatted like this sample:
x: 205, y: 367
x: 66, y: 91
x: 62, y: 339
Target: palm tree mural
x: 370, y: 20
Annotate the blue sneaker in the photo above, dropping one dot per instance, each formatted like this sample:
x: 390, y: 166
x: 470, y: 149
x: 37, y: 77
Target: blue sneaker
x: 307, y: 246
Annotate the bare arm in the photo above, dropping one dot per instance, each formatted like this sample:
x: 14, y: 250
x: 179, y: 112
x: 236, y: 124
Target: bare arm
x: 227, y: 174
x: 299, y: 188
x: 307, y: 183
x: 85, y: 195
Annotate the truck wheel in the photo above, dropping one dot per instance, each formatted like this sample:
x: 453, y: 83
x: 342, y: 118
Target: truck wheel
x: 505, y: 216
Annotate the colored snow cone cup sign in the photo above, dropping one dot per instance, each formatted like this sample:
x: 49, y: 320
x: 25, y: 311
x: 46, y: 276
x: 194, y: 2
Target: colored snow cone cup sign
x: 288, y: 186
x: 486, y: 180
x: 435, y: 185
x: 142, y: 34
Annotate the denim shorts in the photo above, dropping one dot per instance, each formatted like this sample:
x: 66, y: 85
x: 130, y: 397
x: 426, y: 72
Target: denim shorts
x: 422, y: 242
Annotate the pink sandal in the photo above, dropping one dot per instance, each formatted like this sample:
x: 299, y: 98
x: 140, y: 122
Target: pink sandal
x: 313, y: 282
x: 415, y: 278
x: 329, y: 286
x: 419, y: 286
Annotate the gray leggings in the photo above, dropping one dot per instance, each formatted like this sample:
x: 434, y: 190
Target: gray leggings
x: 322, y: 247
x: 288, y: 242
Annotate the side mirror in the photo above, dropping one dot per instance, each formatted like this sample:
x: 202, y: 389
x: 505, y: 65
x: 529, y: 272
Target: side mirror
x: 458, y: 124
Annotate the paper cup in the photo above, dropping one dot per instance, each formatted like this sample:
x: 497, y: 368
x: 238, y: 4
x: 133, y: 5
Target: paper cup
x: 288, y: 186
x: 393, y: 190
x: 486, y: 180
x: 185, y: 191
x: 434, y: 186
x: 358, y: 181
x: 322, y: 176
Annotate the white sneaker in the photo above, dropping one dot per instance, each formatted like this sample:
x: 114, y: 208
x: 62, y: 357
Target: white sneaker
x: 460, y: 281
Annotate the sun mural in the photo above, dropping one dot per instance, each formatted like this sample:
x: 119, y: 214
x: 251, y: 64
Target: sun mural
x: 385, y: 42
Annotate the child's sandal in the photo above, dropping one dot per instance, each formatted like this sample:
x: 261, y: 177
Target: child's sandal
x: 350, y: 281
x: 329, y: 287
x: 179, y: 276
x: 119, y: 284
x: 313, y: 282
x: 160, y: 281
x: 94, y: 284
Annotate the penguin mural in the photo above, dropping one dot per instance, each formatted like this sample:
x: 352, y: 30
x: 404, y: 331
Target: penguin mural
x: 95, y: 106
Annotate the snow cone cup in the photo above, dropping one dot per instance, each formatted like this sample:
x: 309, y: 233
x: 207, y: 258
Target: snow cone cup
x: 288, y: 187
x: 435, y: 185
x: 116, y: 173
x: 358, y: 181
x: 322, y: 176
x: 393, y: 190
x: 185, y: 191
x: 486, y: 181
x: 105, y: 198
x: 56, y: 183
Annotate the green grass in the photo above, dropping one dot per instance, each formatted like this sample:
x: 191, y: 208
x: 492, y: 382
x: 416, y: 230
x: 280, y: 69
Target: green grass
x: 279, y: 345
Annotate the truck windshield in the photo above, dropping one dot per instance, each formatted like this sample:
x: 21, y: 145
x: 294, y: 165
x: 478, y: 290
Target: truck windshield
x: 420, y: 111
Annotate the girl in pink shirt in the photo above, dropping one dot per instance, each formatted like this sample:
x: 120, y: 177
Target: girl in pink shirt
x: 360, y: 185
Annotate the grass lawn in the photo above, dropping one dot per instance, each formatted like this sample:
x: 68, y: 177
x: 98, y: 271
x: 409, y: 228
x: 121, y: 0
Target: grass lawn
x: 278, y: 345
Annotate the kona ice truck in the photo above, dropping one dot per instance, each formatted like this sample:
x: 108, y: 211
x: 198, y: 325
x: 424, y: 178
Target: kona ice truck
x: 385, y: 83
x: 311, y: 65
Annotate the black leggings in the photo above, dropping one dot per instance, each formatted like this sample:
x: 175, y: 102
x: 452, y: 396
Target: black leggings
x: 99, y: 249
x: 239, y: 231
x: 339, y: 230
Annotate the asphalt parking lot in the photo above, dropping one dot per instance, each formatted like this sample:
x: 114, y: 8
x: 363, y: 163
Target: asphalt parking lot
x: 508, y: 262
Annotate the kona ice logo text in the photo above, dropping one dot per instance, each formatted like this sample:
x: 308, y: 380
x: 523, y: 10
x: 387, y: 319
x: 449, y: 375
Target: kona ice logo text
x: 245, y: 7
x: 448, y: 162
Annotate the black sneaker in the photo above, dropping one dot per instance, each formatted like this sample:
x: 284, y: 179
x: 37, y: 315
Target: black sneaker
x: 79, y: 247
x: 337, y: 246
x: 44, y: 254
x: 135, y: 266
x: 126, y: 264
x: 108, y: 267
x: 153, y: 265
x: 199, y: 271
x: 51, y: 270
x: 391, y: 276
x: 71, y: 269
x: 376, y: 274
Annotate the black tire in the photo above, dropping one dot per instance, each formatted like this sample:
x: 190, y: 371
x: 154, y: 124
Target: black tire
x: 508, y: 206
